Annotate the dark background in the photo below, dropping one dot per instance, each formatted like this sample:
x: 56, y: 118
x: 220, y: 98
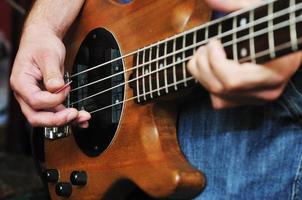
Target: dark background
x: 18, y: 177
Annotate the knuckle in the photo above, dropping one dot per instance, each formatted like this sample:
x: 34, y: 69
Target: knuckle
x: 56, y: 121
x: 279, y: 79
x: 13, y: 83
x: 45, y: 54
x: 231, y: 84
x: 190, y: 65
x: 216, y: 88
x: 34, y: 103
x: 32, y: 120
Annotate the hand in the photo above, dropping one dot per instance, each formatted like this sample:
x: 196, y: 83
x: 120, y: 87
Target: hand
x: 37, y: 73
x: 232, y: 84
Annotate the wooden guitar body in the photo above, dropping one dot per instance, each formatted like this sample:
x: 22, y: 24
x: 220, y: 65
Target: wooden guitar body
x: 144, y: 150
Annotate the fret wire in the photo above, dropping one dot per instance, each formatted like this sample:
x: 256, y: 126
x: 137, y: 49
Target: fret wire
x: 157, y: 67
x: 263, y: 31
x: 206, y: 32
x: 235, y: 53
x: 299, y: 18
x: 143, y: 72
x: 137, y: 80
x: 174, y: 67
x: 252, y: 41
x: 259, y: 54
x: 271, y: 38
x: 206, y: 39
x: 219, y: 29
x: 280, y: 47
x: 184, y: 72
x: 258, y: 21
x: 278, y: 26
x: 293, y: 30
x: 194, y: 40
x: 229, y: 16
x: 165, y: 70
x: 150, y: 77
x: 266, y: 52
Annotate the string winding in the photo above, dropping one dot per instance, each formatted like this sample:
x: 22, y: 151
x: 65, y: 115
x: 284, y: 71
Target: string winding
x: 250, y: 24
x: 190, y: 47
x: 258, y: 33
x: 174, y: 37
x: 262, y: 53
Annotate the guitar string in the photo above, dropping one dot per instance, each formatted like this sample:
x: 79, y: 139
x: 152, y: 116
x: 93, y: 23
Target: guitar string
x: 261, y: 54
x: 166, y: 67
x: 228, y: 33
x: 258, y: 33
x: 229, y: 16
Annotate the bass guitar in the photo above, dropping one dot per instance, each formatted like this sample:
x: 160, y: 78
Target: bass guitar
x: 127, y: 64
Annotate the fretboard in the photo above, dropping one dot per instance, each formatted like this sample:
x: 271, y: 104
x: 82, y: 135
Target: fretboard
x: 257, y: 35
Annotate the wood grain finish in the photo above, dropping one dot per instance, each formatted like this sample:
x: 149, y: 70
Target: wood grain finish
x: 144, y: 150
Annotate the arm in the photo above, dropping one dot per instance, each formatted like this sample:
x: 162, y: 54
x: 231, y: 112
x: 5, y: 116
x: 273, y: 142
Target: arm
x: 232, y: 84
x: 40, y: 58
x: 56, y: 16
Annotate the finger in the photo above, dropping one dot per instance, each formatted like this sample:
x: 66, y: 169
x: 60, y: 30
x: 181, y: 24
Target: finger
x: 84, y: 124
x: 27, y: 87
x: 246, y: 98
x: 81, y: 120
x: 219, y: 102
x: 83, y: 116
x: 239, y: 77
x: 50, y: 63
x: 231, y: 5
x: 278, y: 65
x: 199, y: 67
x: 223, y: 103
x: 45, y: 118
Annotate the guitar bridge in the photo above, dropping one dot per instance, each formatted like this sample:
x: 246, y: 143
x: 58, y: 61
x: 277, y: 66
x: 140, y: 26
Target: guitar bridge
x: 53, y: 133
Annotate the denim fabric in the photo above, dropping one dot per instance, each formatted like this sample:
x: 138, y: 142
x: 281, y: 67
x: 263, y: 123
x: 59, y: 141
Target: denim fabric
x: 251, y: 152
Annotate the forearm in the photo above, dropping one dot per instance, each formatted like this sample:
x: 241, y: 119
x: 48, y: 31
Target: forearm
x: 53, y: 15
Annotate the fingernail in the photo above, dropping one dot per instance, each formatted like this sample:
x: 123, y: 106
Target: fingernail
x: 55, y: 82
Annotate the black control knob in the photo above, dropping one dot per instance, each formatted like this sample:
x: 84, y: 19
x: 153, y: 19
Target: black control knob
x: 51, y: 175
x: 78, y: 178
x: 63, y: 189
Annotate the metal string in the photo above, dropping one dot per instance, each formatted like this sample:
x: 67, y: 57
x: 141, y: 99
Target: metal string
x: 258, y: 55
x: 227, y: 33
x: 234, y: 14
x: 275, y: 27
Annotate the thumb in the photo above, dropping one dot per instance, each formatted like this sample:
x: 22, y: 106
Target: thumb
x: 50, y: 66
x: 231, y: 5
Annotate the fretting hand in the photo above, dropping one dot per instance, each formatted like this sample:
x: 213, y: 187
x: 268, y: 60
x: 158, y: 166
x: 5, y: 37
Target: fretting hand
x: 232, y: 84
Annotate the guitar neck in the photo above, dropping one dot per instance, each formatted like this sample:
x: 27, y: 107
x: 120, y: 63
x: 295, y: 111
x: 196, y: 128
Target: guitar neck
x: 258, y: 35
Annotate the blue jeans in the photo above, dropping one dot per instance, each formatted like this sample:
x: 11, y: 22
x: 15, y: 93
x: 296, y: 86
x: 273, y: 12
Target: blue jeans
x: 251, y: 152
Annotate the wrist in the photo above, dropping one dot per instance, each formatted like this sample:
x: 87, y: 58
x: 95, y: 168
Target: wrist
x: 42, y: 28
